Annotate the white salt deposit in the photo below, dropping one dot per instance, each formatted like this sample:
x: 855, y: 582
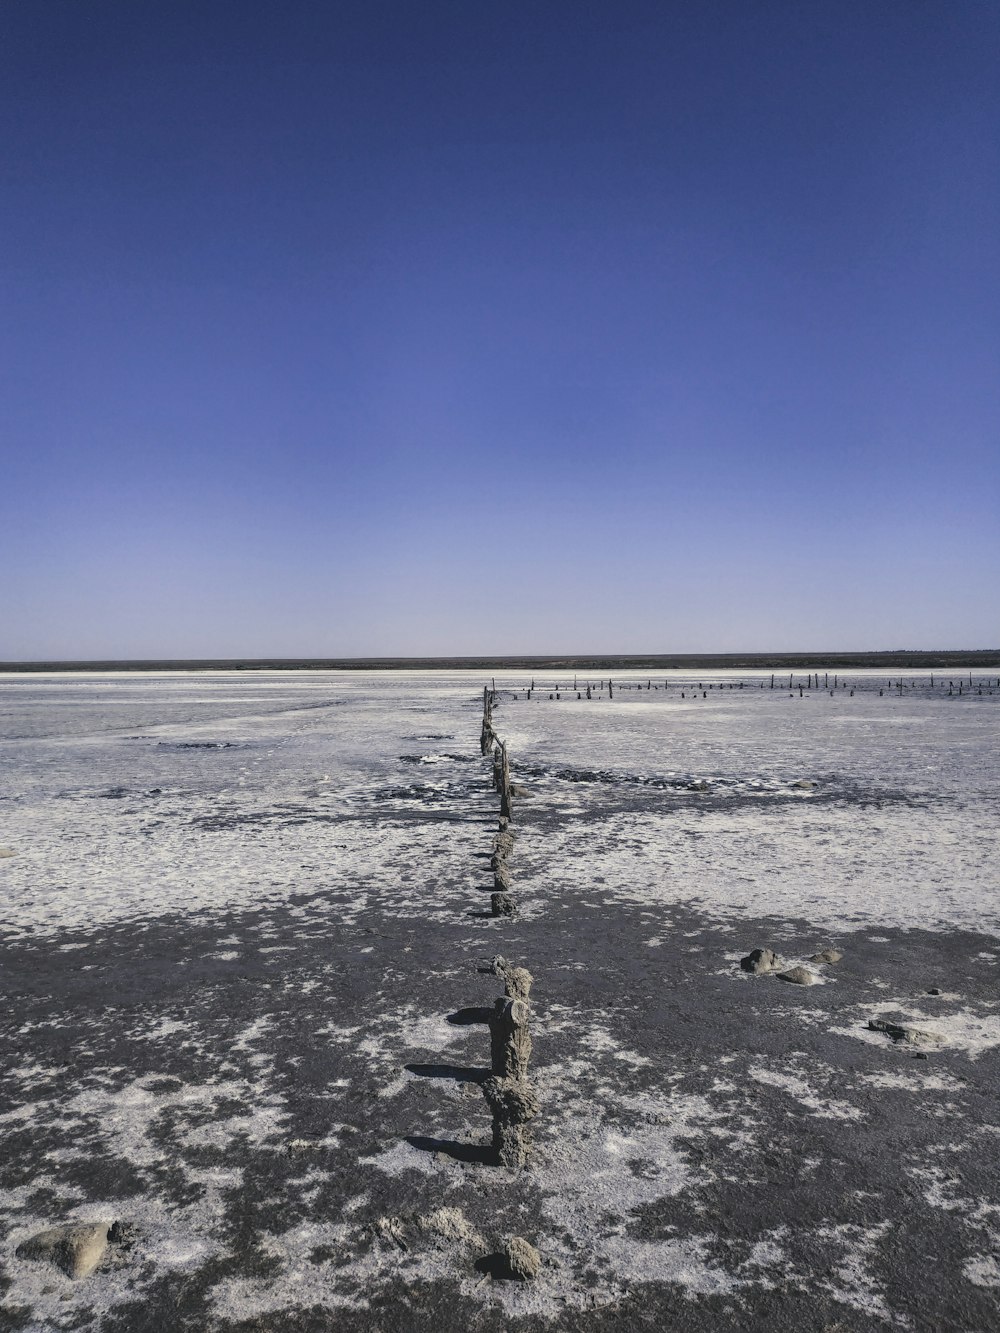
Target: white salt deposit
x: 133, y: 795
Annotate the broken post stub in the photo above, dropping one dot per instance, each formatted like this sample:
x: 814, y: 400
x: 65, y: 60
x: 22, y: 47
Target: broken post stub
x: 502, y: 904
x: 516, y: 980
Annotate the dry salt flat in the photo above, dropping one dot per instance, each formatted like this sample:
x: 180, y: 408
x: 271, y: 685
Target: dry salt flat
x: 244, y: 930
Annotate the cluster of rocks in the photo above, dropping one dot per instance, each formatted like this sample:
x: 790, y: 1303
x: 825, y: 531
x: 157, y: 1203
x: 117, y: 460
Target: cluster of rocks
x: 516, y: 1259
x: 766, y: 961
x: 760, y: 961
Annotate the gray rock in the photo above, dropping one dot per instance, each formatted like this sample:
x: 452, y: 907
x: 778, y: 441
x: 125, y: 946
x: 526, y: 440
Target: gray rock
x: 523, y: 1260
x: 450, y: 1225
x: 760, y: 960
x: 827, y: 956
x: 517, y: 790
x: 502, y: 904
x: 798, y: 976
x: 391, y: 1230
x: 76, y: 1248
x: 903, y: 1032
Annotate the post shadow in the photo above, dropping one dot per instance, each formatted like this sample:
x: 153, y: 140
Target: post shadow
x: 460, y: 1073
x: 461, y: 1152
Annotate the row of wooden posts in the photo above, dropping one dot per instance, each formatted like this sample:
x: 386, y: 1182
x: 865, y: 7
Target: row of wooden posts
x: 811, y: 682
x: 509, y: 1093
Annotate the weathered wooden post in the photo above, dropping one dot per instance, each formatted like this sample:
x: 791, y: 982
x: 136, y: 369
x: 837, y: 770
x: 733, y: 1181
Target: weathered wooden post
x: 505, y: 806
x: 508, y: 1093
x: 510, y: 1039
x: 486, y: 736
x: 501, y: 875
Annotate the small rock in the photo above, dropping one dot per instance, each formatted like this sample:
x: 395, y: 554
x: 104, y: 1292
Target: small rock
x: 799, y: 976
x: 523, y: 1260
x: 804, y: 784
x: 123, y: 1234
x: 76, y: 1248
x: 5, y: 852
x: 759, y: 960
x: 827, y: 956
x: 391, y: 1230
x: 934, y: 990
x: 903, y: 1032
x: 450, y: 1224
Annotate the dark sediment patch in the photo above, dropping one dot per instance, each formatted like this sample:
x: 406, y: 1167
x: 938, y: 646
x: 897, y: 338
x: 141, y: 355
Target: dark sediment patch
x: 687, y: 1047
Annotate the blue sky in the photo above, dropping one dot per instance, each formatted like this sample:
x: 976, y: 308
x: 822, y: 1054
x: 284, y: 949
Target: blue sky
x: 424, y: 328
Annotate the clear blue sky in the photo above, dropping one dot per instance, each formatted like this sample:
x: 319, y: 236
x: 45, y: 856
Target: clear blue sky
x: 347, y: 328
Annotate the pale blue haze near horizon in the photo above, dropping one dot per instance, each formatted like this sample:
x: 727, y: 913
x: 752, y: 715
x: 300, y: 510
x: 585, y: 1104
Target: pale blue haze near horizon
x: 422, y: 328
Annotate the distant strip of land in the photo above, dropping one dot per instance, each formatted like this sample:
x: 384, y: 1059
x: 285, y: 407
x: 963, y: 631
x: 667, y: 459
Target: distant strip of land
x: 979, y: 658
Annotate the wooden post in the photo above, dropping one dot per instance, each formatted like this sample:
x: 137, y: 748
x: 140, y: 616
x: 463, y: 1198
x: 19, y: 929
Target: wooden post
x: 510, y: 1038
x: 512, y: 1104
x: 508, y: 1093
x: 505, y: 806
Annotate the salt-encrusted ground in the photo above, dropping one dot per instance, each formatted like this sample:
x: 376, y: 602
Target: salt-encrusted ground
x: 242, y: 926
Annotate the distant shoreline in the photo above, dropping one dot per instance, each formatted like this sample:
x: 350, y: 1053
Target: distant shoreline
x: 904, y: 658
